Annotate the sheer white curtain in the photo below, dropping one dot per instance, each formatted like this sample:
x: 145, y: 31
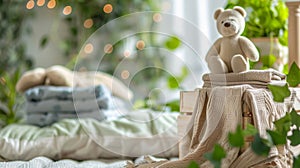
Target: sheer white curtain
x: 200, y: 13
x: 199, y: 31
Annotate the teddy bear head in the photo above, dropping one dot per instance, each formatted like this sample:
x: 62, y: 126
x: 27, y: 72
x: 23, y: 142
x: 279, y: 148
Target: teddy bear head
x: 230, y: 22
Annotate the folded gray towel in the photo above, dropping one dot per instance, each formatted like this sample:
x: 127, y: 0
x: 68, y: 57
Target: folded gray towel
x: 40, y: 93
x: 68, y: 105
x: 48, y: 118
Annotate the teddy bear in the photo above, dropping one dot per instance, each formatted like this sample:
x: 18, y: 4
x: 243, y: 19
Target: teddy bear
x: 231, y: 52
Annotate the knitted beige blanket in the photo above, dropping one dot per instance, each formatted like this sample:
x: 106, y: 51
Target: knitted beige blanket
x: 219, y: 111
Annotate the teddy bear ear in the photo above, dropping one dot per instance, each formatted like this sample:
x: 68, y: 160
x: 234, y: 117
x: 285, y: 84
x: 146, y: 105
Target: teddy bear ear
x: 240, y: 10
x: 218, y: 12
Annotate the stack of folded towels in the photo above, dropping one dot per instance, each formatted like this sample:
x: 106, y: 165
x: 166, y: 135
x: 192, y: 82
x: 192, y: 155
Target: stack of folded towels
x: 254, y: 78
x: 48, y: 104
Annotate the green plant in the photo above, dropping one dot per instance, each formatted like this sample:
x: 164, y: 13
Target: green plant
x: 10, y: 99
x: 13, y: 56
x: 12, y: 48
x: 266, y: 18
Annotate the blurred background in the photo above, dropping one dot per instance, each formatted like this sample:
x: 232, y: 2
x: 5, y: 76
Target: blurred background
x: 156, y: 47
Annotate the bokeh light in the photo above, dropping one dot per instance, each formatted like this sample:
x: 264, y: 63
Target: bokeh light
x: 108, y: 48
x: 40, y: 2
x: 125, y: 74
x: 88, y: 23
x: 127, y: 53
x: 67, y: 10
x: 140, y: 44
x: 89, y: 48
x: 157, y: 17
x: 30, y: 4
x: 108, y: 8
x: 51, y: 4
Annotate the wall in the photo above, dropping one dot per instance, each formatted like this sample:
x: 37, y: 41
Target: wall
x: 45, y: 22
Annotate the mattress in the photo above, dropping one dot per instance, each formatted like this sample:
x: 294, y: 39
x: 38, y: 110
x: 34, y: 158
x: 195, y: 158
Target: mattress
x: 138, y: 133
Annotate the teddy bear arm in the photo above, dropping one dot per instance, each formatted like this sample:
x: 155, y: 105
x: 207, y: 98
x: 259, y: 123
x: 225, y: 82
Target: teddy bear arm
x: 214, y: 50
x: 249, y: 49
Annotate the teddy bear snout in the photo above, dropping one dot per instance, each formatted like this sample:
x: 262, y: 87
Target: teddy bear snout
x: 227, y: 24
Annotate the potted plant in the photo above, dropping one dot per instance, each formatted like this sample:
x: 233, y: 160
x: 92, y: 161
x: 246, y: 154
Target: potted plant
x: 266, y: 26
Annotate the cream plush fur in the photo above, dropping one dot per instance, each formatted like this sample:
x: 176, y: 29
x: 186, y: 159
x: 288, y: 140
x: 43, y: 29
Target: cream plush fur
x: 231, y: 53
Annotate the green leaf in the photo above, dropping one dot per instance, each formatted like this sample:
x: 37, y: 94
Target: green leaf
x: 193, y: 164
x: 172, y: 43
x: 286, y: 69
x: 236, y: 139
x: 295, y: 118
x: 295, y: 138
x: 283, y: 125
x: 259, y: 146
x: 277, y: 138
x: 174, y: 105
x: 138, y: 104
x: 268, y: 60
x: 279, y: 92
x: 293, y: 78
x: 296, y: 162
x: 44, y: 41
x: 184, y: 72
x: 216, y: 156
x: 249, y: 130
x: 173, y: 83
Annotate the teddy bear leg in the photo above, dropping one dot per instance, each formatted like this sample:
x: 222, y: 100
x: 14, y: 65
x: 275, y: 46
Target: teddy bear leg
x: 239, y: 64
x: 216, y: 65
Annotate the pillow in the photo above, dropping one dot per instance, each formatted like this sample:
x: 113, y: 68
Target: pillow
x: 138, y: 133
x: 59, y: 76
x: 112, y: 83
x: 30, y: 79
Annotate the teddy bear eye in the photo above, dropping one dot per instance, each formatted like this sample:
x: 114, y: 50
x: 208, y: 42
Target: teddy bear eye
x: 232, y: 20
x: 222, y: 22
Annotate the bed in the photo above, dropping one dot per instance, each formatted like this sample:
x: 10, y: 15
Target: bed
x: 91, y: 125
x: 114, y: 142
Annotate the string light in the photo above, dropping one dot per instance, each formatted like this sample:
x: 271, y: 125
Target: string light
x: 140, y: 44
x: 157, y: 17
x: 88, y: 23
x: 108, y: 8
x: 89, y: 48
x: 125, y: 74
x: 108, y: 48
x: 51, y: 4
x: 127, y: 53
x: 30, y: 4
x: 40, y: 2
x: 67, y: 10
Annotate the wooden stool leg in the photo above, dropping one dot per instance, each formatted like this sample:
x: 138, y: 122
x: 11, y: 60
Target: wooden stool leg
x: 247, y: 119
